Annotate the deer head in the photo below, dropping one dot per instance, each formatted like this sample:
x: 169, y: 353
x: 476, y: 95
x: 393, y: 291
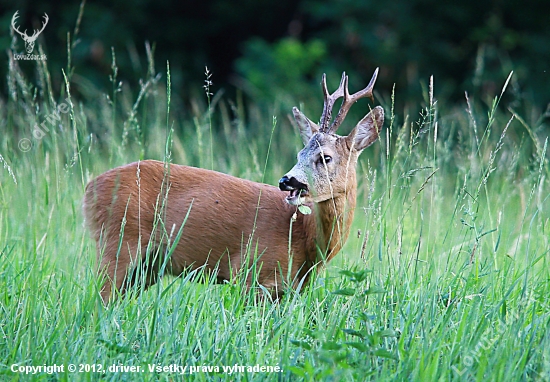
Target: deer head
x: 29, y: 40
x: 326, y: 165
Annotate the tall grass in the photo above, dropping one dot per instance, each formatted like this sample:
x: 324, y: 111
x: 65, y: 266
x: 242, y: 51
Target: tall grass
x: 445, y: 276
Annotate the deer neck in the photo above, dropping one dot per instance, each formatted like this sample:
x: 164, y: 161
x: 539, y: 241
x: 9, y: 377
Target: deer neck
x: 333, y: 218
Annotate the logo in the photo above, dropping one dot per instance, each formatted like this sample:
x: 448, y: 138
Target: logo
x: 29, y: 40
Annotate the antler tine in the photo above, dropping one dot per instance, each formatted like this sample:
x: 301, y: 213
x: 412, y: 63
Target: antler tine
x: 44, y: 23
x: 349, y: 100
x: 330, y: 99
x: 13, y: 19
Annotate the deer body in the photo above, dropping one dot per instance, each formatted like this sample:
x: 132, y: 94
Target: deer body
x: 139, y: 208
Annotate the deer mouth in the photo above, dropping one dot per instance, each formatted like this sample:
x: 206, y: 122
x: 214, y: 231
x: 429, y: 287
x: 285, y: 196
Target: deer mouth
x: 297, y: 189
x: 296, y: 196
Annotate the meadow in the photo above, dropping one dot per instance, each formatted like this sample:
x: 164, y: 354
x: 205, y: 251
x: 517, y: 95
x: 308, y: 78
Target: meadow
x: 446, y: 274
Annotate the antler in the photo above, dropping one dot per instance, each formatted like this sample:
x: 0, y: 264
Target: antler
x: 35, y: 34
x: 349, y: 100
x: 330, y: 99
x: 15, y: 16
x: 46, y: 19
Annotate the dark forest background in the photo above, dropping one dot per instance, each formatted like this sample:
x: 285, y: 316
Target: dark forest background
x: 268, y: 48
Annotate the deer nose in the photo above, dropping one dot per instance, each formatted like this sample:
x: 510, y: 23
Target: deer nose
x: 284, y: 184
x: 289, y: 184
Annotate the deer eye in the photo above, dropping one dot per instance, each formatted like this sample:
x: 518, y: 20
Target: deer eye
x: 327, y: 158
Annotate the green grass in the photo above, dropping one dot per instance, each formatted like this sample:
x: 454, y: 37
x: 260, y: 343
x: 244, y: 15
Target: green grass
x: 445, y: 276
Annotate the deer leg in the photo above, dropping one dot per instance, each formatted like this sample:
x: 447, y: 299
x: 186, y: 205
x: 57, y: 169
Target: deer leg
x: 114, y: 266
x: 146, y: 272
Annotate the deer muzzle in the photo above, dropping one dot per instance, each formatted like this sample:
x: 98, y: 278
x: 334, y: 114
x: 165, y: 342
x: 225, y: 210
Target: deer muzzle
x: 297, y: 189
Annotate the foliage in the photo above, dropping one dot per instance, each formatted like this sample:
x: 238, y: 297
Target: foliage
x: 468, y: 46
x: 269, y: 69
x: 446, y: 278
x: 190, y: 34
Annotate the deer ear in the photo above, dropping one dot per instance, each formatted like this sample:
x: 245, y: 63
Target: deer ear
x: 367, y: 130
x: 307, y: 127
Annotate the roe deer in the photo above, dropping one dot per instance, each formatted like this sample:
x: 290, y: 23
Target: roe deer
x: 132, y: 209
